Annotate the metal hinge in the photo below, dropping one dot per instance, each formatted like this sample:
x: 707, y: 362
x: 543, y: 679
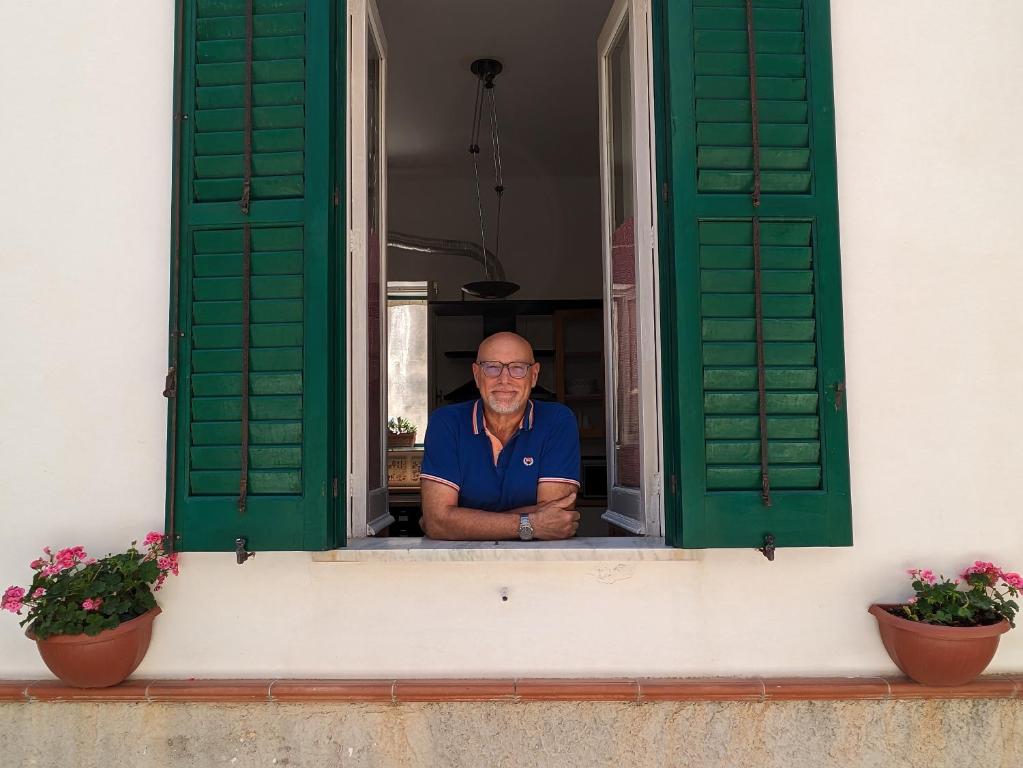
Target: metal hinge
x: 336, y: 197
x: 655, y: 482
x: 674, y: 484
x: 337, y: 491
x: 241, y: 554
x: 170, y: 384
x: 664, y: 191
x: 768, y: 549
x: 839, y: 395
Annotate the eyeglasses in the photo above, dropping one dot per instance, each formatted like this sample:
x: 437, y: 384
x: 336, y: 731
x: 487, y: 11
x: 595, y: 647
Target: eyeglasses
x: 492, y: 369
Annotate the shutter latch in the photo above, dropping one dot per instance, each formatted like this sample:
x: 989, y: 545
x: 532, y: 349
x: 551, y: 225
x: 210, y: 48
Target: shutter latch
x: 170, y: 384
x: 241, y: 554
x: 839, y: 387
x: 768, y: 549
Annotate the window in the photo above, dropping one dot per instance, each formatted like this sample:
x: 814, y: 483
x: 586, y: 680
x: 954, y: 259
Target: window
x: 266, y: 251
x: 408, y: 391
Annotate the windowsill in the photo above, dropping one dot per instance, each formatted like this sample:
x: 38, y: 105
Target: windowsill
x: 595, y: 549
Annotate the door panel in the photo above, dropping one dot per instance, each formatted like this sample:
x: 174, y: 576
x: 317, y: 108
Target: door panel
x: 629, y: 284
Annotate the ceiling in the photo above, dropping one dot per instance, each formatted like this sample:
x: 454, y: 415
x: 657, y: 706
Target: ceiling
x: 546, y: 96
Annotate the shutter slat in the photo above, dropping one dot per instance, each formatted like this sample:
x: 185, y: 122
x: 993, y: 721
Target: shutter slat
x: 263, y: 188
x: 734, y: 87
x: 265, y: 482
x: 207, y: 8
x: 260, y: 432
x: 778, y: 451
x: 746, y: 378
x: 229, y: 360
x: 263, y: 72
x: 262, y: 311
x: 748, y: 427
x: 741, y: 281
x: 733, y: 134
x: 741, y: 257
x: 736, y: 158
x: 260, y: 457
x: 735, y: 329
x: 222, y: 384
x: 262, y: 335
x: 265, y: 287
x: 261, y: 407
x: 726, y: 41
x: 230, y: 264
x: 269, y: 164
x: 233, y: 142
x: 733, y: 182
x: 765, y: 19
x: 743, y: 305
x: 768, y: 64
x: 264, y: 25
x: 266, y: 95
x: 743, y: 353
x: 739, y: 110
x: 209, y: 241
x: 748, y: 478
x: 263, y: 49
x: 263, y: 118
x: 738, y: 403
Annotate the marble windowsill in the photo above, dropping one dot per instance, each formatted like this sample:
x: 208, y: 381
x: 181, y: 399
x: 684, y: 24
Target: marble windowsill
x: 595, y: 549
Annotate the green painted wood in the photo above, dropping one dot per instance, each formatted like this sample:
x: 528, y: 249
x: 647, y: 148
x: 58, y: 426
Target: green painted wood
x: 263, y: 49
x: 778, y: 451
x: 748, y: 427
x: 737, y: 87
x: 739, y: 378
x: 291, y: 389
x: 711, y: 424
x: 233, y: 142
x: 264, y: 25
x: 229, y: 433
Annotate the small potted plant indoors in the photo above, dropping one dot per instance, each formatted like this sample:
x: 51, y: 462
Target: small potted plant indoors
x: 91, y: 618
x: 948, y: 632
x: 401, y: 433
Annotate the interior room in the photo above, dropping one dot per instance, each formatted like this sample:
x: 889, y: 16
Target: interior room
x: 543, y: 230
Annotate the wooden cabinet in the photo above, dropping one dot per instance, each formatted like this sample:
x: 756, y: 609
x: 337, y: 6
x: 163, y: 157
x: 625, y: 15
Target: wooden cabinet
x: 579, y: 367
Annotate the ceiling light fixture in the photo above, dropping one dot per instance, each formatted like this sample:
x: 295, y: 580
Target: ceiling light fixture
x: 486, y: 70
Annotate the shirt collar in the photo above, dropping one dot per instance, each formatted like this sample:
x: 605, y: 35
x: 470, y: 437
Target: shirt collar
x: 479, y: 426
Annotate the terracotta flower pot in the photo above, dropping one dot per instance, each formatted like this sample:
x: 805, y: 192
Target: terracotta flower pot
x: 102, y: 660
x: 404, y: 440
x: 936, y: 655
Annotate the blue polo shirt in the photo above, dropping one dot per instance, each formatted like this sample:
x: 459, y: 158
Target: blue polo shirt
x: 458, y: 453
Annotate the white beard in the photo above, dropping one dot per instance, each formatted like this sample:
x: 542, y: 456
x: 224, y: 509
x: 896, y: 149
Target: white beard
x: 504, y: 408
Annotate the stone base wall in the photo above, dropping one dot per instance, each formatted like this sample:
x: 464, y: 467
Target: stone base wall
x: 935, y: 733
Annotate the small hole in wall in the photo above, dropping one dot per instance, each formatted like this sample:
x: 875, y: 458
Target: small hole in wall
x: 504, y: 594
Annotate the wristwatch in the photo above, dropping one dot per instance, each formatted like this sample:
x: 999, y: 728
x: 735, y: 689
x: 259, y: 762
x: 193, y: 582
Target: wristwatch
x: 525, y: 528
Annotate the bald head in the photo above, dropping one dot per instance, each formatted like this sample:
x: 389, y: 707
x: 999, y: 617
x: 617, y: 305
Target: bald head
x: 505, y: 347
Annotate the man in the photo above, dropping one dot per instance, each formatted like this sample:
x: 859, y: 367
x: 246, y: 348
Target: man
x: 503, y: 466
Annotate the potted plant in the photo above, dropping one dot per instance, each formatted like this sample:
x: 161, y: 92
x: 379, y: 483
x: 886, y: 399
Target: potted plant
x: 401, y: 433
x: 92, y: 619
x: 947, y: 633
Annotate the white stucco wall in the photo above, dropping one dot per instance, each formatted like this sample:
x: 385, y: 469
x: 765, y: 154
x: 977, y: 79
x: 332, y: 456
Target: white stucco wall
x: 929, y: 105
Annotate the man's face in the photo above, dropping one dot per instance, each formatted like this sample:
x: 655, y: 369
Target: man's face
x: 504, y: 393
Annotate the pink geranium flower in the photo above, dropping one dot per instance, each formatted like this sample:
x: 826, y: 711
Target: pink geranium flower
x: 90, y: 604
x: 12, y: 599
x: 153, y: 538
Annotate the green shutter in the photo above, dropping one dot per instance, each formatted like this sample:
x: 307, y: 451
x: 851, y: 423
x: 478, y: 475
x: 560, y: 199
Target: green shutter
x: 290, y: 502
x: 712, y: 429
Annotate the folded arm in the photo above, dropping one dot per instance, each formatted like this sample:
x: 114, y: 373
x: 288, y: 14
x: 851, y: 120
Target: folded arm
x: 552, y: 517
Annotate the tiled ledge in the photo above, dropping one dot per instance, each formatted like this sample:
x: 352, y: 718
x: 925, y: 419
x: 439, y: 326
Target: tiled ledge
x: 642, y: 690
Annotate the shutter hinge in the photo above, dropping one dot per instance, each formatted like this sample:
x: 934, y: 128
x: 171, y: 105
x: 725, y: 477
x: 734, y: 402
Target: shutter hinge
x: 337, y: 491
x: 674, y: 484
x: 768, y: 549
x: 839, y: 395
x: 351, y: 486
x: 241, y: 554
x: 170, y: 384
x: 664, y: 191
x: 656, y: 483
x: 336, y: 197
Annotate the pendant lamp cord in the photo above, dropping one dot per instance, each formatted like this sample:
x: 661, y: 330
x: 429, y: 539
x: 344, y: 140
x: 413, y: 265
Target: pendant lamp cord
x: 485, y: 86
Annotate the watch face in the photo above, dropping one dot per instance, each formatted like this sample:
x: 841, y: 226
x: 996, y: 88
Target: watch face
x: 525, y: 529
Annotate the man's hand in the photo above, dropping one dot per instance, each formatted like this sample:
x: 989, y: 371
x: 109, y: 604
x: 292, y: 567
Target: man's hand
x: 555, y: 519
